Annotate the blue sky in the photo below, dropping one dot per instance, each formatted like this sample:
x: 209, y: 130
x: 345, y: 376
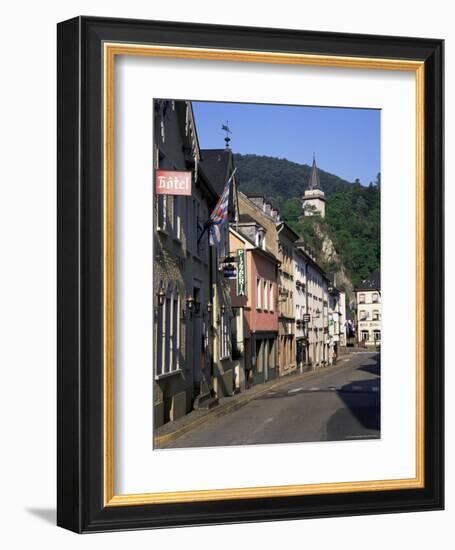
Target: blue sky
x: 346, y: 142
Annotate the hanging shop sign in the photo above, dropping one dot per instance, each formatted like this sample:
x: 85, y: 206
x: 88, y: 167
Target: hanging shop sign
x: 172, y: 182
x: 230, y: 272
x: 241, y: 274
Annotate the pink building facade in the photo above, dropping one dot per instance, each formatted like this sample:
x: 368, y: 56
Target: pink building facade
x: 256, y: 312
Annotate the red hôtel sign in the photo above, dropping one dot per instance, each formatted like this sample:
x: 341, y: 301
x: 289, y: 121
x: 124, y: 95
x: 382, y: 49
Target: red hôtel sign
x: 172, y: 182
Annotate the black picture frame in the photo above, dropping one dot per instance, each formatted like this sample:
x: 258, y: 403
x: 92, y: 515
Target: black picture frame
x: 80, y: 476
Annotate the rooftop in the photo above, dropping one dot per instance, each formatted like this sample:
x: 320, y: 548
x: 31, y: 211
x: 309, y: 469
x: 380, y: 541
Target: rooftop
x: 373, y: 282
x: 215, y: 164
x: 246, y: 218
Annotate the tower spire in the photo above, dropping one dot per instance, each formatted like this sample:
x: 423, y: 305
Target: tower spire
x: 314, y: 182
x: 313, y: 201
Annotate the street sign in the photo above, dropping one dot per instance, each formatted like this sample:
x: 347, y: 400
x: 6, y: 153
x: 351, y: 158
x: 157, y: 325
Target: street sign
x: 241, y: 277
x: 230, y: 272
x: 306, y: 318
x: 172, y: 182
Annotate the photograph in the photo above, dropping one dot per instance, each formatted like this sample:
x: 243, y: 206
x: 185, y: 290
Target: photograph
x: 267, y: 274
x: 250, y: 254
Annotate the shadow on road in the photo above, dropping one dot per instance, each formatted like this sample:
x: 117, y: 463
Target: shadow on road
x: 372, y: 369
x: 361, y: 416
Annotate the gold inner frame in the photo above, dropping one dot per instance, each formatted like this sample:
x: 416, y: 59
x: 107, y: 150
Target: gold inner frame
x: 110, y: 51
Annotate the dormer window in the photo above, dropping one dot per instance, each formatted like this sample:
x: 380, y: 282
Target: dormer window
x: 260, y: 238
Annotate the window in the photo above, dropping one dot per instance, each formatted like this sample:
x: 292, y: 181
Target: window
x: 162, y: 212
x: 363, y: 315
x: 365, y: 335
x: 375, y: 315
x: 265, y: 354
x: 258, y: 293
x: 259, y: 356
x: 377, y: 335
x: 224, y: 244
x: 225, y: 334
x: 270, y: 296
x: 192, y: 229
x: 266, y: 296
x: 361, y: 298
x: 259, y: 238
x: 168, y: 334
x: 175, y: 332
x: 272, y: 353
x: 196, y: 232
x: 177, y: 220
x: 202, y: 242
x: 375, y: 298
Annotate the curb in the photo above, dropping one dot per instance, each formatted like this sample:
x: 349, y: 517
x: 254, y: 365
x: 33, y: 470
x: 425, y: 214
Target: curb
x: 230, y: 407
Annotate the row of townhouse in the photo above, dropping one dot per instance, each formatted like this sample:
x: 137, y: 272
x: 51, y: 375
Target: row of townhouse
x: 192, y: 334
x: 289, y: 315
x: 215, y: 335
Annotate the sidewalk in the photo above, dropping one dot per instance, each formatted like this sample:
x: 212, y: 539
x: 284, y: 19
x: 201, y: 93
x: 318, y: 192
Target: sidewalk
x: 173, y: 430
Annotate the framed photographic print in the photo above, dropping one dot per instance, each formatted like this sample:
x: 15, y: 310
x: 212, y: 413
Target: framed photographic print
x: 250, y: 274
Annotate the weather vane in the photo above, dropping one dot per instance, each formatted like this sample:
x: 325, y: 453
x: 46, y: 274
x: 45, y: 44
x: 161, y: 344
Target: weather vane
x: 226, y: 128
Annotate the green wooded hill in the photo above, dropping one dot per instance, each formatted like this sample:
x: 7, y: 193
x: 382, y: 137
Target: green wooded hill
x: 352, y: 219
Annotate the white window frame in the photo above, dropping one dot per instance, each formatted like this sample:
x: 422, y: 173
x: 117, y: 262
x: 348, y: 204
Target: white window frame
x: 258, y: 293
x: 196, y: 227
x: 265, y: 295
x: 168, y: 335
x: 177, y: 217
x: 225, y: 348
x: 271, y: 305
x: 162, y: 212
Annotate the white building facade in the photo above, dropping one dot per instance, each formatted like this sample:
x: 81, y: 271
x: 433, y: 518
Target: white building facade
x: 301, y: 308
x: 368, y: 311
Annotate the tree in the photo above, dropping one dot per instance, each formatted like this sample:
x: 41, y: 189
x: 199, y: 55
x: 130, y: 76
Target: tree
x: 352, y: 218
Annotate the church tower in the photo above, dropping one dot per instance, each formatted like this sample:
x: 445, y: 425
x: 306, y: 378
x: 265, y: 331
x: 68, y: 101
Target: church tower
x: 313, y: 200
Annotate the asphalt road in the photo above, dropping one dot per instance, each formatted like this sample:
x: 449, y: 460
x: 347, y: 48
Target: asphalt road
x: 340, y: 404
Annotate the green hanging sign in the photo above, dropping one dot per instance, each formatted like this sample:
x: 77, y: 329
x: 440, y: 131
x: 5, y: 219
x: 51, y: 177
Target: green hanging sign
x: 241, y: 272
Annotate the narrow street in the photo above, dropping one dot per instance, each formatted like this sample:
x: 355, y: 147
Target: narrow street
x: 340, y: 404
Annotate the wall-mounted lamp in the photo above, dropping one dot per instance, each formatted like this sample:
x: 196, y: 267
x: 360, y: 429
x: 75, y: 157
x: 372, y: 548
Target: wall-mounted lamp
x: 209, y: 307
x: 190, y: 302
x: 161, y: 294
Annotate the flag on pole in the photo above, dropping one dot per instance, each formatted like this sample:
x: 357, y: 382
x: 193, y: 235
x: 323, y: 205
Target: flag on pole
x: 220, y: 213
